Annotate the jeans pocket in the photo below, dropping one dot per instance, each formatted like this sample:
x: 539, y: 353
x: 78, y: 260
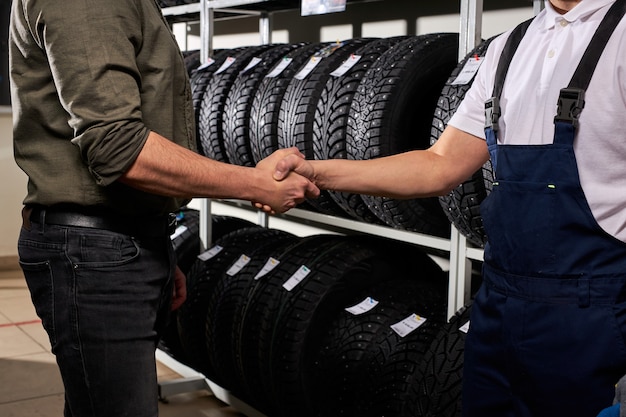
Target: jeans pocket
x: 38, y: 277
x: 101, y: 249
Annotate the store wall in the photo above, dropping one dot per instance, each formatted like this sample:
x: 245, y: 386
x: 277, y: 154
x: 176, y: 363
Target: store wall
x: 11, y: 193
x: 366, y: 19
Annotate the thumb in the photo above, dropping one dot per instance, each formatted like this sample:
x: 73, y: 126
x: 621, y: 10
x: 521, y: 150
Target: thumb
x: 284, y: 166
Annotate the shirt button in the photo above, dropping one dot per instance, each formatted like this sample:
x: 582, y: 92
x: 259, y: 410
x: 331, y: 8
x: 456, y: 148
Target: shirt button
x: 564, y: 23
x: 551, y: 53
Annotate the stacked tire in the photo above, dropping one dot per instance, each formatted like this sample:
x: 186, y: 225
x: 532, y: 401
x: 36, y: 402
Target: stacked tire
x: 266, y: 317
x: 355, y: 99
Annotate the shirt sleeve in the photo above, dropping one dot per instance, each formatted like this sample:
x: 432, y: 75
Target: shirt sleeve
x: 470, y: 115
x: 91, y: 48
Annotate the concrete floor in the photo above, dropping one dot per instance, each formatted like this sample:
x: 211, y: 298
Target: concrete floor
x: 30, y: 385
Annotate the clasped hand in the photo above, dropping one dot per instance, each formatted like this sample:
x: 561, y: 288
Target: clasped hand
x: 291, y: 186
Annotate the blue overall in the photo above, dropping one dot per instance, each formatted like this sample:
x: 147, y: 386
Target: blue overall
x: 548, y: 325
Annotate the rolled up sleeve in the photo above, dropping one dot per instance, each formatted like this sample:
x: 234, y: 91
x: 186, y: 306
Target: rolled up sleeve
x: 92, y: 47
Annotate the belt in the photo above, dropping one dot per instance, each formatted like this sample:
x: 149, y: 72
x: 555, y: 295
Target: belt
x: 156, y: 226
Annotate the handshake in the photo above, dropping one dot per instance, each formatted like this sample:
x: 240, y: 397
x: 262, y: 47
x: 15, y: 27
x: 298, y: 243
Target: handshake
x: 292, y: 178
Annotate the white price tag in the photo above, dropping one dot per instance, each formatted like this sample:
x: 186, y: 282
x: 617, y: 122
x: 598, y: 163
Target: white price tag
x: 179, y: 231
x: 296, y: 278
x: 310, y: 66
x: 208, y: 254
x: 253, y: 63
x: 238, y: 265
x: 465, y: 328
x: 207, y: 64
x: 469, y: 71
x: 346, y: 66
x: 267, y: 268
x: 278, y: 69
x: 408, y: 325
x: 363, y: 307
x: 227, y: 63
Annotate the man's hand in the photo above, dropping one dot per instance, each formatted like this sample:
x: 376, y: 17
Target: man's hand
x: 296, y: 163
x: 291, y: 190
x: 179, y: 291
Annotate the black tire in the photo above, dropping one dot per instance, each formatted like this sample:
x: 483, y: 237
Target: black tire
x: 353, y: 359
x: 237, y: 108
x: 306, y: 311
x: 462, y: 205
x: 260, y: 313
x: 249, y: 282
x: 212, y: 107
x: 267, y: 101
x: 192, y: 60
x: 222, y: 225
x: 186, y: 239
x: 199, y: 80
x: 392, y: 113
x: 200, y: 284
x: 228, y: 290
x: 187, y: 245
x: 438, y: 393
x: 331, y: 119
x: 298, y: 109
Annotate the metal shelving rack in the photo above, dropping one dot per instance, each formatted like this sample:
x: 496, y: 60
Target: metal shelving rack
x: 460, y: 253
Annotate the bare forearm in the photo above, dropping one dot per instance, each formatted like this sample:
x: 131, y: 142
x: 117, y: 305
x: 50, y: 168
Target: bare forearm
x: 165, y: 168
x: 414, y: 174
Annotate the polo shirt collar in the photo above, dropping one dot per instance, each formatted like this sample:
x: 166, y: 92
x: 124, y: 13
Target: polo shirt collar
x: 582, y: 10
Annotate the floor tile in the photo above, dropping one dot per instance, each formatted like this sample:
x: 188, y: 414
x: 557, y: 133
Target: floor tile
x: 28, y: 377
x: 46, y: 406
x: 14, y: 342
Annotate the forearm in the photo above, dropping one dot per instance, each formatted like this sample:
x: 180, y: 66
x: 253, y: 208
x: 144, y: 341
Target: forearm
x: 407, y: 175
x: 415, y: 174
x: 165, y: 168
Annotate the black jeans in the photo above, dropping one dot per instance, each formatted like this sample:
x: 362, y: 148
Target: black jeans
x: 103, y: 298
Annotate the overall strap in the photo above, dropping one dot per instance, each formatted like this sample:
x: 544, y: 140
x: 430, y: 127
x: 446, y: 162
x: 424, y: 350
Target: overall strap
x: 492, y: 106
x: 572, y: 98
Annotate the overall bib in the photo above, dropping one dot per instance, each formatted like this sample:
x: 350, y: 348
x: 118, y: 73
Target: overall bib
x: 548, y: 325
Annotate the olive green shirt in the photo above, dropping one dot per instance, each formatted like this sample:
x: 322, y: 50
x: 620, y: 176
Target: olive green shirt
x: 89, y: 80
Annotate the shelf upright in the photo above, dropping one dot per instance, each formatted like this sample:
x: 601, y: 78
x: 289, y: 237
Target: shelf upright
x: 460, y: 275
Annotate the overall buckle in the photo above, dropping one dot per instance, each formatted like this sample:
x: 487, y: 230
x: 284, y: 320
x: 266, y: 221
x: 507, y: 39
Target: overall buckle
x: 492, y: 113
x: 571, y: 103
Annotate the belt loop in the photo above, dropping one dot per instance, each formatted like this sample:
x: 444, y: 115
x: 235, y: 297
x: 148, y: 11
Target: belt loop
x: 42, y: 219
x: 584, y: 292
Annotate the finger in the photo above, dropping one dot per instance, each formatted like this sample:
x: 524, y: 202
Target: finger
x: 286, y: 165
x: 295, y: 151
x: 312, y: 191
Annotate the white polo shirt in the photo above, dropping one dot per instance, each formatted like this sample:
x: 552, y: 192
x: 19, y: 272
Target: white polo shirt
x: 544, y: 63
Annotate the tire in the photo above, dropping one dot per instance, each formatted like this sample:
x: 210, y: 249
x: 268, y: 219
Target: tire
x: 306, y: 311
x: 438, y: 393
x: 187, y: 245
x: 339, y: 375
x: 462, y: 204
x: 192, y: 60
x: 392, y: 112
x: 212, y: 107
x: 199, y: 79
x: 224, y: 301
x: 237, y: 108
x: 262, y: 308
x: 267, y: 101
x: 297, y: 111
x: 331, y: 119
x: 186, y: 239
x: 201, y: 282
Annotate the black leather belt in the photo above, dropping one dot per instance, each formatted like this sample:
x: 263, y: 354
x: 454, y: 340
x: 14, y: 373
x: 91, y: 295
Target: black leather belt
x: 157, y: 226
